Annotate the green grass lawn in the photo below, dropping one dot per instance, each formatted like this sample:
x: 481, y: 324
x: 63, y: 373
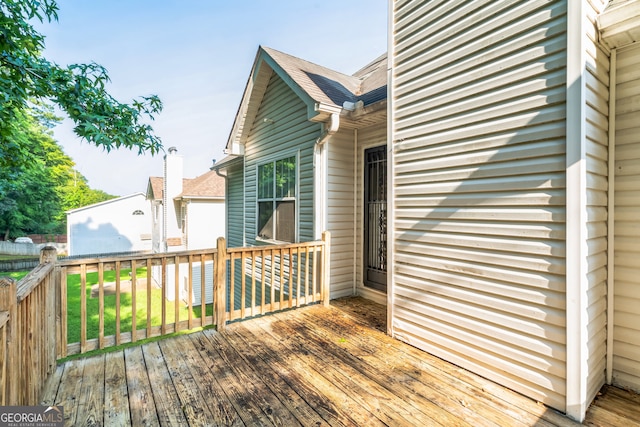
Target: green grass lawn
x: 93, y: 310
x: 15, y: 274
x: 7, y: 257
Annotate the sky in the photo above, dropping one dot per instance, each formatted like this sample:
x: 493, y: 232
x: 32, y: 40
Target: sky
x: 196, y: 55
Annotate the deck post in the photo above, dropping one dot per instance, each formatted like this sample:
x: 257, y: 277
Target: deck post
x: 326, y: 267
x: 9, y: 303
x: 48, y: 254
x: 220, y: 284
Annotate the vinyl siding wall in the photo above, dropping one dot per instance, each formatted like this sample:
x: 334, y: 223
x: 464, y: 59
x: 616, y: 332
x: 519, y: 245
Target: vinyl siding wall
x: 340, y: 212
x: 235, y: 206
x: 597, y: 126
x: 626, y: 344
x: 373, y: 136
x: 286, y: 132
x: 478, y: 99
x: 281, y: 129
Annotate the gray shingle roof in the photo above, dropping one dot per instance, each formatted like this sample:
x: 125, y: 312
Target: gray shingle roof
x: 331, y: 87
x: 207, y: 185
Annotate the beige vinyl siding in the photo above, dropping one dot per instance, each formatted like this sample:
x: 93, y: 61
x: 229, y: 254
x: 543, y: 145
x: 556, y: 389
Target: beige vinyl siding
x: 597, y: 126
x: 286, y: 132
x: 340, y: 212
x: 626, y: 344
x: 479, y: 188
x: 373, y: 136
x: 235, y: 206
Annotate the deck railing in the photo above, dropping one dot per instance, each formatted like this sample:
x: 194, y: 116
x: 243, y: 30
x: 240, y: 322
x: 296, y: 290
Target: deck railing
x: 30, y: 332
x: 71, y: 307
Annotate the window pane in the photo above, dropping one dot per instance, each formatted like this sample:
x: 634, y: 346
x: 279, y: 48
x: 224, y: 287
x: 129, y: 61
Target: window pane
x: 265, y: 181
x: 286, y: 221
x: 265, y: 220
x: 286, y: 177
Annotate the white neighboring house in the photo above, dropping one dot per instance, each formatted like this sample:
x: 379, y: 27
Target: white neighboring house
x: 117, y: 225
x: 187, y: 214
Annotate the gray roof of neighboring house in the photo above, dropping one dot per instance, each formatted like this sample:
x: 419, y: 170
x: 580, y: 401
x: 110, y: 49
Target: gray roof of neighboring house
x: 207, y: 185
x: 154, y: 188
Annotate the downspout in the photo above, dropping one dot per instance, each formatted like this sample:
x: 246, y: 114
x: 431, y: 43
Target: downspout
x: 226, y: 207
x: 611, y: 212
x: 355, y: 212
x: 391, y: 30
x: 320, y: 206
x: 330, y: 128
x: 163, y: 240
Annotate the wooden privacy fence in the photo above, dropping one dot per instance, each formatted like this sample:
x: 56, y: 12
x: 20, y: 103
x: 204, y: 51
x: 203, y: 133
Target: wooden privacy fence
x: 71, y: 307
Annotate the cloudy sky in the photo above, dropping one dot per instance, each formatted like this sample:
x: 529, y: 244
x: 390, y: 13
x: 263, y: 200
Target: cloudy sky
x: 196, y: 55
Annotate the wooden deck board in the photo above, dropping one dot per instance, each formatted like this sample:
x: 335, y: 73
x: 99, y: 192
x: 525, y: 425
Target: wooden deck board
x: 404, y: 376
x: 179, y: 354
x: 90, y: 403
x: 166, y: 399
x: 141, y: 401
x: 313, y: 366
x: 219, y: 405
x: 357, y: 379
x: 116, y: 403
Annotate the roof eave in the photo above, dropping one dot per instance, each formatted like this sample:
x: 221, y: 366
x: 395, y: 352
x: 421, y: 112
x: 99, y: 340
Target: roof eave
x: 619, y: 25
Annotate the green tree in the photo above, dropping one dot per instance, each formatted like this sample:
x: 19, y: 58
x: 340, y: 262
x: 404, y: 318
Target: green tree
x: 28, y: 197
x: 78, y: 89
x: 35, y: 193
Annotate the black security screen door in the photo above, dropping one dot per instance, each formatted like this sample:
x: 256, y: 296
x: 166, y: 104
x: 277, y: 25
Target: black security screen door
x: 375, y: 218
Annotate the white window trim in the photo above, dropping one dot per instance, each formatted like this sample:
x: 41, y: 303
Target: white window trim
x: 296, y: 198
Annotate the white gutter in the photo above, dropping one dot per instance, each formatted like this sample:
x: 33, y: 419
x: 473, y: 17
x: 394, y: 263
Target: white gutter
x: 611, y: 212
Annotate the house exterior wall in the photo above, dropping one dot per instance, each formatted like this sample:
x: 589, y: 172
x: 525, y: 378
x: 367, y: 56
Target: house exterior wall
x: 285, y: 132
x: 341, y: 211
x: 597, y: 126
x: 478, y: 170
x: 373, y: 136
x: 235, y: 206
x: 157, y: 213
x: 110, y: 227
x: 205, y: 223
x: 626, y: 334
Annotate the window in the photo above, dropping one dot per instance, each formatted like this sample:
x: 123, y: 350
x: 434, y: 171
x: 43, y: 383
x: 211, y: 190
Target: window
x: 277, y: 200
x: 137, y: 212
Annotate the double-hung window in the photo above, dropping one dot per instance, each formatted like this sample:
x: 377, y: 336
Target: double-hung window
x: 277, y: 200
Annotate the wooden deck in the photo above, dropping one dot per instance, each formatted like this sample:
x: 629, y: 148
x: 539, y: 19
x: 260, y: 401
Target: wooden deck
x: 312, y: 366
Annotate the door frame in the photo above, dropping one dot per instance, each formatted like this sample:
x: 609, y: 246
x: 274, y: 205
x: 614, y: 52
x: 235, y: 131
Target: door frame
x: 376, y: 280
